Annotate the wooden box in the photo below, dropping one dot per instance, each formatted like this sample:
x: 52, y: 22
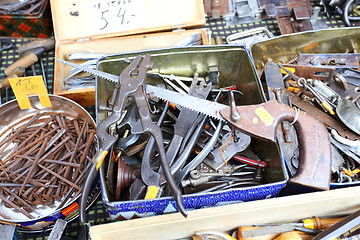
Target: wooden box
x: 112, y: 27
x: 331, y: 203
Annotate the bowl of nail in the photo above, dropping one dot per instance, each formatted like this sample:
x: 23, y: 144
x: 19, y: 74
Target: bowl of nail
x: 44, y: 156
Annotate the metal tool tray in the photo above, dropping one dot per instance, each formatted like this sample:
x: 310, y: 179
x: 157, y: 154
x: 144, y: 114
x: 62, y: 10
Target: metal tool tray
x: 285, y: 48
x: 235, y: 67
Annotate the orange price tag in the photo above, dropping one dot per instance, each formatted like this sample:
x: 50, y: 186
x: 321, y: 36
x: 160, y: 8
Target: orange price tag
x: 23, y: 87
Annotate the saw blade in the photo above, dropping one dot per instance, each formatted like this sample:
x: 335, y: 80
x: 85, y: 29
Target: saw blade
x: 104, y: 75
x: 209, y: 108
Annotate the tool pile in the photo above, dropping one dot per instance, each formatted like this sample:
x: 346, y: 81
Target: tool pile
x: 325, y: 86
x: 194, y: 153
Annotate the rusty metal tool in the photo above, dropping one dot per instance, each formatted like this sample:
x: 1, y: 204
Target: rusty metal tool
x: 261, y: 121
x: 229, y: 147
x: 345, y: 109
x: 130, y: 83
x: 342, y: 129
x: 333, y: 60
x: 285, y: 133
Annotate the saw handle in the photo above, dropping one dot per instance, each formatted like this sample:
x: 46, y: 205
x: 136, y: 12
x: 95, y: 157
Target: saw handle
x: 261, y: 120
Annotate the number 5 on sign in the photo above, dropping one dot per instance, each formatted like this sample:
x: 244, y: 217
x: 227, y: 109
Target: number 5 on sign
x: 26, y: 86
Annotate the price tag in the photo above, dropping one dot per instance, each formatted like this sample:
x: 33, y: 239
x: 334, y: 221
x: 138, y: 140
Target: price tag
x: 115, y: 16
x: 26, y: 86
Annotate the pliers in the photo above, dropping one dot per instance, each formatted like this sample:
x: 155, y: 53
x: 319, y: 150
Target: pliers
x: 130, y: 84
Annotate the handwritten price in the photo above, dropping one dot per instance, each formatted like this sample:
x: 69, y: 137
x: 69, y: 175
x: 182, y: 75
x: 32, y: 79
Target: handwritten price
x: 23, y: 87
x: 26, y: 85
x: 115, y: 15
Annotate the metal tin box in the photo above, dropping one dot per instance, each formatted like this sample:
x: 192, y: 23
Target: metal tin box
x: 235, y: 68
x: 286, y: 48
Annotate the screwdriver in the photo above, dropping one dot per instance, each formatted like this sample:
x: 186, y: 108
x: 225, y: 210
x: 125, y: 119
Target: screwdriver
x: 244, y: 233
x: 312, y: 224
x: 318, y: 223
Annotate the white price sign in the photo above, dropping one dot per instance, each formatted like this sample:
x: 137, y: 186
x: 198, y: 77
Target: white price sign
x: 115, y: 15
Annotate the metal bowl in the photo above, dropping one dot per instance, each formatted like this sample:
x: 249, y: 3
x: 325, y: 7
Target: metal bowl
x: 12, y: 118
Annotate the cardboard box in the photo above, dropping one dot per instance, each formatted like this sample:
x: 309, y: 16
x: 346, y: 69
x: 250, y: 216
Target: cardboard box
x: 112, y: 27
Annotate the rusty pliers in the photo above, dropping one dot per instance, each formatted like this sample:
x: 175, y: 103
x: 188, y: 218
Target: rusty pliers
x: 130, y: 84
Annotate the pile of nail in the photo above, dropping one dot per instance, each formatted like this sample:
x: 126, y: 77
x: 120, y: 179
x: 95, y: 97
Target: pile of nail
x: 44, y: 162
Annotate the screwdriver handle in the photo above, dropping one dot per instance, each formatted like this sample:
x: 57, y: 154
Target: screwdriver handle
x: 319, y: 223
x: 288, y: 236
x: 250, y: 228
x: 303, y: 236
x: 23, y: 62
x: 18, y: 72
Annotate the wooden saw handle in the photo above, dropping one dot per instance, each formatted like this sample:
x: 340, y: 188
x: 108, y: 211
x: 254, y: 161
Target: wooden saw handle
x: 261, y: 121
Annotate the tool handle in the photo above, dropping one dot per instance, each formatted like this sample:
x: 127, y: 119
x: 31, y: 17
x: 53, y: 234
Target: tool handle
x: 250, y: 228
x: 24, y: 62
x: 314, y: 153
x: 303, y: 236
x: 289, y: 236
x: 45, y: 44
x: 320, y: 223
x: 18, y: 72
x: 5, y: 83
x: 261, y: 120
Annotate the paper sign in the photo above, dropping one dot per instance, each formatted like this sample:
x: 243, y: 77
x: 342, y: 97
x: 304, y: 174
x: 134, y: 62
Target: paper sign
x: 115, y: 16
x: 23, y: 87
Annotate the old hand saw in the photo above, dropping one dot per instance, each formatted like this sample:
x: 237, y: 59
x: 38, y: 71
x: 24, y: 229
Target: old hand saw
x: 260, y: 120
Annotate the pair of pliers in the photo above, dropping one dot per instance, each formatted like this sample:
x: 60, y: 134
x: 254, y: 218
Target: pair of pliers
x: 130, y: 84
